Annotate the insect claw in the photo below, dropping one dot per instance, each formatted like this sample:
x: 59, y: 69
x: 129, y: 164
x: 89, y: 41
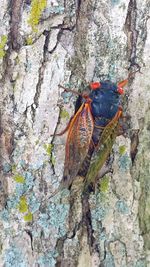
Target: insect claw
x: 66, y: 129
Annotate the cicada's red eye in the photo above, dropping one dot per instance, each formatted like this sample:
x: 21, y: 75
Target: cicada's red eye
x: 95, y: 85
x: 120, y: 90
x: 120, y: 85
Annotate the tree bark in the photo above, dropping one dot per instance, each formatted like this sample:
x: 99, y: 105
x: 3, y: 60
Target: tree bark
x: 43, y: 44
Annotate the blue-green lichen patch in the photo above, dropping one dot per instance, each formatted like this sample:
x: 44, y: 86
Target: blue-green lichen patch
x: 13, y: 202
x: 37, y: 8
x: 109, y: 260
x: 122, y: 207
x: 22, y: 163
x: 54, y: 219
x: 14, y: 257
x: 7, y: 168
x: 99, y: 209
x: 103, y: 235
x: 48, y: 259
x: 124, y: 162
x: 55, y: 10
x: 98, y: 215
x: 20, y: 189
x: 27, y: 183
x: 33, y: 202
x: 18, y: 202
x: 140, y: 263
x: 67, y: 95
x: 3, y: 41
x: 24, y: 183
x: 115, y: 2
x: 4, y: 215
x: 29, y: 180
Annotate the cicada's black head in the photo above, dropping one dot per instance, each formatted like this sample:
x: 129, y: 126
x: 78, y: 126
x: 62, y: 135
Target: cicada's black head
x: 105, y: 100
x: 107, y: 86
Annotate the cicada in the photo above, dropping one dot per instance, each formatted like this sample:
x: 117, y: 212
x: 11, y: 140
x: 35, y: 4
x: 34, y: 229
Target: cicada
x: 92, y: 128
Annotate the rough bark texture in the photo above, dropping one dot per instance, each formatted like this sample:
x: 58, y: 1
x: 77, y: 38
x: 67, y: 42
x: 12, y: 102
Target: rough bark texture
x: 43, y: 44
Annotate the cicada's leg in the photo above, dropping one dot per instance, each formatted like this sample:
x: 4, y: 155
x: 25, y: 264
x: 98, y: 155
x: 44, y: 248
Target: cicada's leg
x: 124, y: 124
x: 96, y: 135
x: 66, y: 129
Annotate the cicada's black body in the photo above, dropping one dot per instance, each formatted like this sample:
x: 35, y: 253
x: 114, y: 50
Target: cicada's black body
x: 104, y: 106
x: 98, y: 112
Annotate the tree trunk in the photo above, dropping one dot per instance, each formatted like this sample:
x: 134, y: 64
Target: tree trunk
x: 43, y: 44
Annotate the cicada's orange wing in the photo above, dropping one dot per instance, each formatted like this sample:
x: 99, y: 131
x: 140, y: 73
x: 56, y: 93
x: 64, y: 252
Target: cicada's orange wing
x: 78, y: 141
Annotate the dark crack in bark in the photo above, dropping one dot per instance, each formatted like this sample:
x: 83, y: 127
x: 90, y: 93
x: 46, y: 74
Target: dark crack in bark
x: 87, y: 223
x: 134, y: 144
x: 57, y: 42
x: 35, y: 104
x: 3, y: 181
x: 46, y: 53
x: 31, y: 238
x: 60, y: 249
x: 83, y: 18
x: 132, y: 33
x: 78, y: 8
x: 15, y: 36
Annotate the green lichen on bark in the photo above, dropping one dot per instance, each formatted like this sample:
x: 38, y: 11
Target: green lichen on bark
x: 104, y: 185
x: 28, y: 217
x: 29, y: 40
x: 122, y: 150
x: 23, y: 206
x: 64, y: 114
x: 19, y: 179
x: 48, y: 148
x: 49, y: 151
x: 3, y: 42
x: 37, y: 8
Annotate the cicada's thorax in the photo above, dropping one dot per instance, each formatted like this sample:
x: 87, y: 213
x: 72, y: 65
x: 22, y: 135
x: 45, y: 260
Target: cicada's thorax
x: 105, y: 103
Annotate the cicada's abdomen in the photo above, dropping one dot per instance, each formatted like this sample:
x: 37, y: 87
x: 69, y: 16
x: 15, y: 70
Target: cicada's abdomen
x: 94, y: 142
